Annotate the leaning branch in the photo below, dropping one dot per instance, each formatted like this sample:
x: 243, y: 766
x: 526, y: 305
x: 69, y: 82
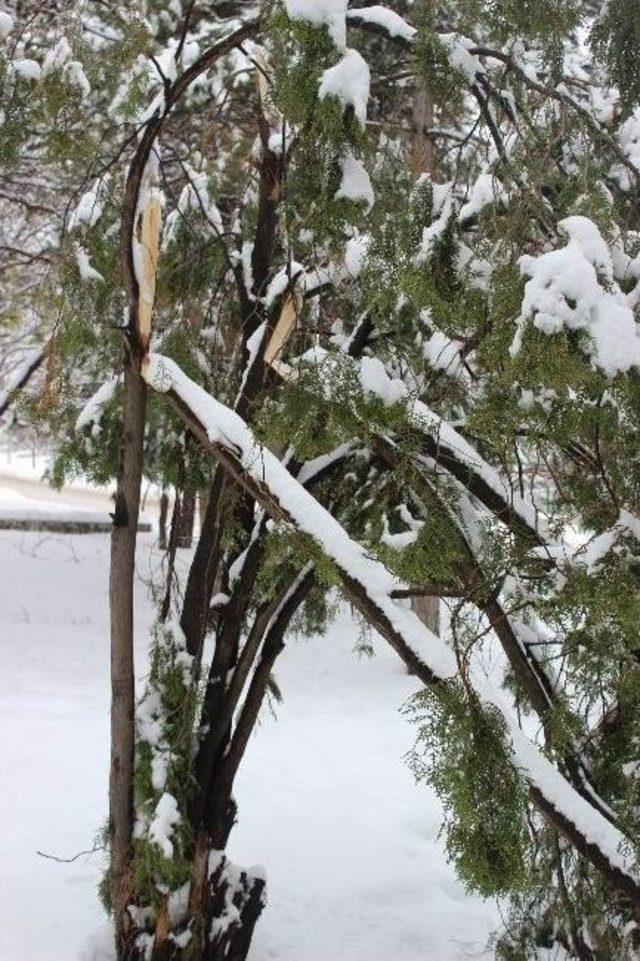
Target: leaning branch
x: 370, y: 586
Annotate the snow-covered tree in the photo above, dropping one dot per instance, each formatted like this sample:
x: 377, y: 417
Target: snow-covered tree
x: 380, y: 271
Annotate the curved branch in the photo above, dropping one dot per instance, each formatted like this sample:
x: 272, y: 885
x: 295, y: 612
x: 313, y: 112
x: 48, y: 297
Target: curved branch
x: 149, y: 137
x: 369, y: 586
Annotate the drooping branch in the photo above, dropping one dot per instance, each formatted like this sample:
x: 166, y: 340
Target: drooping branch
x: 370, y: 585
x: 530, y: 673
x: 445, y: 447
x: 389, y: 29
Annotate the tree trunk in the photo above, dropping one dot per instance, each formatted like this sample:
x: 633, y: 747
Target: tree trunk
x: 121, y: 582
x: 141, y: 227
x: 422, y: 157
x: 162, y: 521
x: 235, y: 902
x: 186, y: 519
x: 203, y: 503
x: 221, y: 927
x: 428, y: 610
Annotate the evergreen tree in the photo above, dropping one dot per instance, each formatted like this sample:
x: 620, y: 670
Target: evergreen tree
x: 380, y: 270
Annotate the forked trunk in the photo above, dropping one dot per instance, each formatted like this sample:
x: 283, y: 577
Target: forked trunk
x: 222, y: 928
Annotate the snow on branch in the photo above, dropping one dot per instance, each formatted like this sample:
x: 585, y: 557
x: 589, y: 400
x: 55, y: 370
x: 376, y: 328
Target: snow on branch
x: 20, y: 378
x: 382, y: 19
x: 445, y: 445
x: 92, y: 410
x: 322, y: 13
x: 348, y: 80
x: 224, y: 428
x: 574, y: 288
x: 370, y: 585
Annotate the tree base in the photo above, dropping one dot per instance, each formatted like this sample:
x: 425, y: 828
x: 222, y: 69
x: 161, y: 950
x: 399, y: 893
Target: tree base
x: 222, y: 930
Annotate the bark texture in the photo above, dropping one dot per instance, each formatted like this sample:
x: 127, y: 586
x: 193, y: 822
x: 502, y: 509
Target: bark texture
x: 121, y: 585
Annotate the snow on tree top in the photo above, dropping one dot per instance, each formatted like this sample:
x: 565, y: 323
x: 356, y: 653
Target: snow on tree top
x: 329, y: 13
x: 574, y: 288
x: 348, y: 80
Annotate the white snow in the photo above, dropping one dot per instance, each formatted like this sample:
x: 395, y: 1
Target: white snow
x: 574, y: 287
x: 628, y: 136
x: 165, y: 818
x: 286, y: 276
x: 400, y: 540
x: 224, y: 427
x: 87, y: 272
x: 355, y: 183
x: 194, y: 197
x: 92, y: 410
x: 22, y: 506
x: 6, y: 24
x: 457, y: 48
x: 74, y: 72
x: 12, y: 379
x: 392, y: 22
x: 328, y: 13
x: 355, y: 254
x: 318, y: 784
x: 375, y: 380
x: 89, y: 206
x: 348, y: 80
x: 443, y: 206
x: 56, y: 57
x: 485, y: 190
x: 26, y: 68
x: 530, y: 61
x: 442, y: 352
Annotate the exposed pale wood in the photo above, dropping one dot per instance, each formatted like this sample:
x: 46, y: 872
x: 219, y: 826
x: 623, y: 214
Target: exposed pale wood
x: 285, y: 325
x: 149, y: 250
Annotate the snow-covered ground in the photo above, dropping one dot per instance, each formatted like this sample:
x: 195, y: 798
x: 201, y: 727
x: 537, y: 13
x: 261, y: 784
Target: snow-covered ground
x: 23, y: 493
x: 326, y: 803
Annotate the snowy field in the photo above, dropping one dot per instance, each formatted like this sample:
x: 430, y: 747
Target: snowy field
x: 326, y: 803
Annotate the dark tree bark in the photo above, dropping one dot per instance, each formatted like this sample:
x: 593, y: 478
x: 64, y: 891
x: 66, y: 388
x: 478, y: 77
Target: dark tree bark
x: 186, y: 519
x: 231, y: 935
x: 162, y: 521
x: 121, y: 586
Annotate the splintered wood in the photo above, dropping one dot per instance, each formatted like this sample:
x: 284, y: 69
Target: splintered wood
x: 148, y: 249
x: 285, y: 324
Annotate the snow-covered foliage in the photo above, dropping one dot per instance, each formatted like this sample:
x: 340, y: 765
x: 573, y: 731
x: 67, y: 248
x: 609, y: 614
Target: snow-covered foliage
x: 574, y: 288
x: 401, y: 250
x: 348, y: 80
